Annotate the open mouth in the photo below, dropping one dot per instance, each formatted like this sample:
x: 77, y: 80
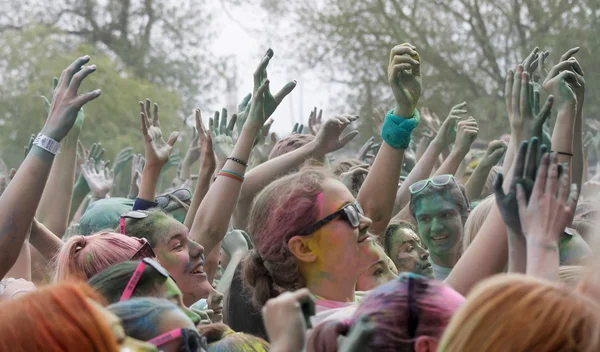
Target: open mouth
x: 440, y: 238
x: 363, y: 238
x: 198, y: 269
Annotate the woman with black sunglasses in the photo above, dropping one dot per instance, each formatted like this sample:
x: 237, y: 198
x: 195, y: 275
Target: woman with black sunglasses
x: 308, y: 229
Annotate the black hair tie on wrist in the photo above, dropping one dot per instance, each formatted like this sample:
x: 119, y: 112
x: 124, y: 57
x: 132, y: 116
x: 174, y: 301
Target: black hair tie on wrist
x: 563, y: 153
x: 239, y: 161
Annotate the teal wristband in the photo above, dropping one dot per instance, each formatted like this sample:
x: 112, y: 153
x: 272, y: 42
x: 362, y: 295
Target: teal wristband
x: 396, y: 130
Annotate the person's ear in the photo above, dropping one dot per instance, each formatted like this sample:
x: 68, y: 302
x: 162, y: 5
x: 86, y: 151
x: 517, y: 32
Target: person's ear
x: 425, y: 344
x: 301, y: 248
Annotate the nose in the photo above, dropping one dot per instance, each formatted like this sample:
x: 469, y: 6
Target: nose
x: 364, y: 223
x: 436, y: 225
x: 424, y: 254
x: 196, y: 250
x: 216, y: 297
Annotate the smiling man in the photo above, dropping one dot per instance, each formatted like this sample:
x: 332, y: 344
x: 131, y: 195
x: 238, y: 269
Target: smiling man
x: 441, y: 207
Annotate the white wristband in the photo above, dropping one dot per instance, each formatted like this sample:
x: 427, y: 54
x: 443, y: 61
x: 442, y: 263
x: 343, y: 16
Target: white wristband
x: 47, y: 143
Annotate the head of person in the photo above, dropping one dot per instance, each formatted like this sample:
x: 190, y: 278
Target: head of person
x: 476, y: 219
x: 306, y: 227
x: 488, y: 188
x: 290, y: 143
x: 82, y: 257
x: 181, y: 256
x: 441, y: 207
x: 113, y: 281
x: 215, y: 303
x: 404, y: 247
x: 175, y: 203
x: 63, y: 317
x: 586, y: 218
x: 156, y: 321
x: 410, y: 314
x: 379, y: 273
x: 521, y: 313
x: 220, y: 338
x: 103, y: 214
x: 344, y: 165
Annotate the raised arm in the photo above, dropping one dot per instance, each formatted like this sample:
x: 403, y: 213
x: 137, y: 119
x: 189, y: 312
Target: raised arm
x: 55, y: 204
x: 466, y: 134
x: 492, y: 156
x: 207, y: 169
x: 212, y: 219
x: 378, y: 192
x: 19, y: 201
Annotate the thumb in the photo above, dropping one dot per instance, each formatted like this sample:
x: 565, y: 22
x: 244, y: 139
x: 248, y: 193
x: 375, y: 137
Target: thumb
x: 347, y: 138
x: 173, y: 138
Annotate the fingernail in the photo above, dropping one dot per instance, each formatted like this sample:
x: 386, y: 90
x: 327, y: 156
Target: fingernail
x: 92, y: 67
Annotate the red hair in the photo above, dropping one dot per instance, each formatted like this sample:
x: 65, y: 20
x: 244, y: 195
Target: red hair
x: 55, y: 318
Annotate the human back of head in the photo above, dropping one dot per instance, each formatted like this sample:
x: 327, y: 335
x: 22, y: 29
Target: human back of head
x: 409, y: 313
x: 221, y: 338
x: 290, y: 143
x: 55, y: 318
x: 476, y: 219
x: 521, y: 313
x: 112, y: 281
x: 82, y: 257
x: 283, y: 208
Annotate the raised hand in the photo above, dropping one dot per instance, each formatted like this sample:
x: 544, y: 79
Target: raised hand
x: 123, y: 158
x: 315, y: 121
x: 265, y: 145
x: 368, y: 150
x: 5, y: 180
x: 404, y: 77
x: 100, y: 181
x: 66, y: 101
x: 328, y: 139
x: 494, y: 153
x: 156, y: 149
x: 221, y: 134
x: 466, y: 134
x: 298, y: 128
x: 271, y: 102
x: 447, y: 131
x: 378, y: 118
x: 286, y: 319
x: 207, y: 156
x: 137, y: 167
x: 234, y: 241
x: 524, y: 173
x: 562, y: 82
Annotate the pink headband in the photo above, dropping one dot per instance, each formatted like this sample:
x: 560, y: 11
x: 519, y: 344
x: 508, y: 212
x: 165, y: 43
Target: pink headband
x: 135, y: 278
x: 166, y: 337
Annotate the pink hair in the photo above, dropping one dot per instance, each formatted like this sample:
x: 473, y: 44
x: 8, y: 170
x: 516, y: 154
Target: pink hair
x: 82, y: 257
x: 387, y: 307
x: 281, y: 210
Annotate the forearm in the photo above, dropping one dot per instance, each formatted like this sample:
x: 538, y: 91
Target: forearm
x: 19, y: 202
x: 562, y: 136
x: 150, y: 177
x: 55, y: 205
x: 485, y: 257
x: 42, y: 239
x: 477, y: 180
x: 200, y: 191
x: 578, y: 167
x: 211, y: 262
x: 80, y: 191
x: 212, y: 218
x: 378, y: 192
x: 263, y: 174
x: 422, y: 147
x: 517, y: 252
x: 542, y: 258
x: 22, y: 267
x: 450, y: 165
x: 420, y: 172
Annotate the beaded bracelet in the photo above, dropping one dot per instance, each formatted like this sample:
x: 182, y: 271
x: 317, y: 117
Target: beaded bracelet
x: 232, y: 175
x: 239, y: 161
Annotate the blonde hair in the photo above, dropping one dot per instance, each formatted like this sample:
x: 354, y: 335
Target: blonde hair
x: 571, y: 275
x: 520, y: 313
x: 476, y: 219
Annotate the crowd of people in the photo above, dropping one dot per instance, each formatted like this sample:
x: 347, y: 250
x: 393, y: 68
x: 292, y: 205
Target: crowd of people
x: 425, y: 240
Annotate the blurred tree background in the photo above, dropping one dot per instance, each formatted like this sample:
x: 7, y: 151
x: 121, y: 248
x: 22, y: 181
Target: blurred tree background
x: 143, y: 48
x: 466, y: 47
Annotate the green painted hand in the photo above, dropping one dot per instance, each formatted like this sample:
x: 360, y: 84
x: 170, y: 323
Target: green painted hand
x: 404, y: 77
x: 221, y: 134
x: 123, y: 158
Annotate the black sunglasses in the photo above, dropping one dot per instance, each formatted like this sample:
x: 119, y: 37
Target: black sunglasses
x: 182, y: 195
x: 192, y: 341
x: 351, y: 212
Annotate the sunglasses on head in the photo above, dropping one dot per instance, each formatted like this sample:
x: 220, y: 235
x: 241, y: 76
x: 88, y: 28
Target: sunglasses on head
x: 192, y: 341
x: 440, y: 180
x: 182, y: 196
x: 137, y: 275
x: 134, y: 214
x: 145, y: 251
x: 351, y: 212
